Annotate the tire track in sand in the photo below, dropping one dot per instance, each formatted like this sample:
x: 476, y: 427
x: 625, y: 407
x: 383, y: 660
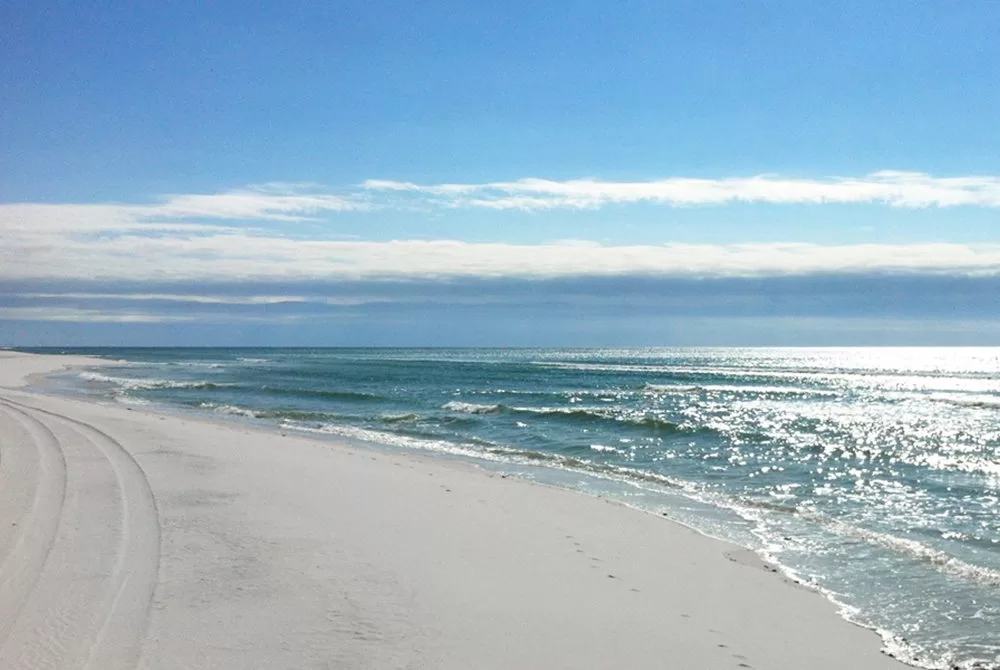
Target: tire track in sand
x: 37, y: 525
x: 90, y: 605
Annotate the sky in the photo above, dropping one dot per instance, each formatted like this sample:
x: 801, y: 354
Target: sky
x: 703, y: 173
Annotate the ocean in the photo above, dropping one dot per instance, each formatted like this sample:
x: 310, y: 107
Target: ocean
x: 871, y: 474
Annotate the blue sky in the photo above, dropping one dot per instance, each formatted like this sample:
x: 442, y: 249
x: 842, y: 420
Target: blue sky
x: 513, y: 173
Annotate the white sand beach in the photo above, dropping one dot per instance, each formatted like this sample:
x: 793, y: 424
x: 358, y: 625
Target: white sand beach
x: 130, y: 538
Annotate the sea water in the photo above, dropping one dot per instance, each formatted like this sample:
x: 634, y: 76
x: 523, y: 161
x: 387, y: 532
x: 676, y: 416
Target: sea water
x: 871, y: 474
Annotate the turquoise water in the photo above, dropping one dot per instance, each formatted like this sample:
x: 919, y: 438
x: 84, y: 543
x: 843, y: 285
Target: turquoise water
x: 873, y: 474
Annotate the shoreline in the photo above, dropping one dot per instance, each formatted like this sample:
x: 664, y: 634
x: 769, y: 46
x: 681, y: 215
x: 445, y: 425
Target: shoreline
x: 287, y: 551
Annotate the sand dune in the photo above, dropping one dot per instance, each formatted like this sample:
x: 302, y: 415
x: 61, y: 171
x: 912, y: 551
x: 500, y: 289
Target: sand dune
x: 134, y: 539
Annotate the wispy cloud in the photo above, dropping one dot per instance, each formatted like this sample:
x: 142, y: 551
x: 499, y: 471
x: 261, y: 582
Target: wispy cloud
x: 170, y: 297
x: 273, y: 202
x: 97, y: 315
x: 198, y: 299
x: 182, y: 213
x: 893, y: 188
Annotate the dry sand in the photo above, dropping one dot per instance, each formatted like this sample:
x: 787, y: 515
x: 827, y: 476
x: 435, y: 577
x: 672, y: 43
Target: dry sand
x: 134, y: 539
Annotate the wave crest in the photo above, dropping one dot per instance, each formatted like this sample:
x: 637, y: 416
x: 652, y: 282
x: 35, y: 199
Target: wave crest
x: 150, y: 384
x: 471, y: 407
x: 574, y: 414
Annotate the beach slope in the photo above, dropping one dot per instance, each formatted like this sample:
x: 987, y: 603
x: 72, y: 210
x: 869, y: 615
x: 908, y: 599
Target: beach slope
x: 130, y: 539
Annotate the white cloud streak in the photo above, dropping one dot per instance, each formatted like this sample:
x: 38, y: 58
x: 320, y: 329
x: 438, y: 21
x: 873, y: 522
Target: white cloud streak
x: 245, y: 257
x: 191, y: 213
x: 267, y: 203
x: 198, y: 299
x: 139, y: 315
x: 171, y: 297
x: 887, y: 187
x: 73, y: 314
